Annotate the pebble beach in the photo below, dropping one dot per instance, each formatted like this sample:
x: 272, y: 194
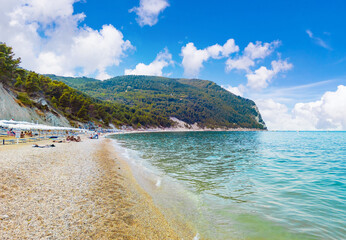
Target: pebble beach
x: 75, y: 191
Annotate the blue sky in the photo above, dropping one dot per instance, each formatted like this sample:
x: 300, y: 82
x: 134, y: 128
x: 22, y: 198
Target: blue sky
x: 206, y: 24
x: 297, y: 51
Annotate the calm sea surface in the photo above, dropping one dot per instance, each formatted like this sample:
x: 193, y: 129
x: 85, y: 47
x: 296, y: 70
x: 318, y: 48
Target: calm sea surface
x: 245, y: 185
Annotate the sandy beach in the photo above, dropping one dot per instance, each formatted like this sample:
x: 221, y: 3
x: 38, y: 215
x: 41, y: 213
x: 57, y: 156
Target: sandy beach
x: 75, y: 191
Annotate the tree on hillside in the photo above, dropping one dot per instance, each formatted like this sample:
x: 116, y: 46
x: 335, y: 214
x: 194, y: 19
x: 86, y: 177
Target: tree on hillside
x: 19, y: 82
x: 83, y: 113
x: 8, y: 63
x: 32, y: 83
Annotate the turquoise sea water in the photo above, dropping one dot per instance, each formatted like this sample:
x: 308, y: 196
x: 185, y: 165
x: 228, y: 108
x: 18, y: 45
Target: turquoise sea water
x: 245, y: 185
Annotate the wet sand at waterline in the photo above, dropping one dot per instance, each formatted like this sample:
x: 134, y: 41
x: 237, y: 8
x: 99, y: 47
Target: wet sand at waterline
x: 75, y: 191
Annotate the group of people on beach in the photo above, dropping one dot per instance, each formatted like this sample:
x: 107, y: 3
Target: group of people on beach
x: 23, y: 134
x: 69, y: 139
x: 73, y: 139
x: 26, y: 133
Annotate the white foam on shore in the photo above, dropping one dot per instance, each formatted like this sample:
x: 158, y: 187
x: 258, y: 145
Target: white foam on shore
x: 146, y: 175
x: 158, y: 183
x: 175, y: 201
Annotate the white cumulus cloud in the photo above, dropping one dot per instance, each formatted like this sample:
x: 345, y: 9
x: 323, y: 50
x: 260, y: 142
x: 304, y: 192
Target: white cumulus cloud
x: 217, y: 51
x: 241, y: 63
x: 328, y: 113
x: 162, y: 60
x: 259, y: 50
x: 262, y: 76
x: 252, y: 51
x: 48, y: 37
x: 193, y: 58
x: 149, y: 10
x: 239, y: 91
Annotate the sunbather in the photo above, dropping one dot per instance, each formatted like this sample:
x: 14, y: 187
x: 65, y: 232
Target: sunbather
x: 47, y: 146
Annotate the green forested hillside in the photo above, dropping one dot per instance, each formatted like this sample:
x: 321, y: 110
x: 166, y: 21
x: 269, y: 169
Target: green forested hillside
x: 138, y: 101
x: 190, y: 100
x: 73, y: 104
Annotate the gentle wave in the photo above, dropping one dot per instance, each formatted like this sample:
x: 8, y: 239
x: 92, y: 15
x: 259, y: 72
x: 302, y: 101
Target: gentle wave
x: 246, y: 185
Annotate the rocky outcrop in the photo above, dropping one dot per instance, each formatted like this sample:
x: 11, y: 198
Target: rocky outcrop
x: 11, y: 108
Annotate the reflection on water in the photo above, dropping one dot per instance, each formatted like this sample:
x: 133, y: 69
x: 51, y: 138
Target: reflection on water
x: 253, y: 185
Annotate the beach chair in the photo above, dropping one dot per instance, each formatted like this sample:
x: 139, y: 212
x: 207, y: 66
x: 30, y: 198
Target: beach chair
x: 10, y: 141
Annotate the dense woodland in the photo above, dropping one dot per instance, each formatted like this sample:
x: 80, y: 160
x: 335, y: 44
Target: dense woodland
x: 138, y: 101
x: 190, y: 100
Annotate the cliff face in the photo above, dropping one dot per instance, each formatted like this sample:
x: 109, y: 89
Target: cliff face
x: 11, y: 108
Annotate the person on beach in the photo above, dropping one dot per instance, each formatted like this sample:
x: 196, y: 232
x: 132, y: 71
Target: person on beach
x: 73, y: 139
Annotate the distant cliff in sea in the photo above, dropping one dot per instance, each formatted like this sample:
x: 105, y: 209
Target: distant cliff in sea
x: 136, y: 101
x: 193, y: 101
